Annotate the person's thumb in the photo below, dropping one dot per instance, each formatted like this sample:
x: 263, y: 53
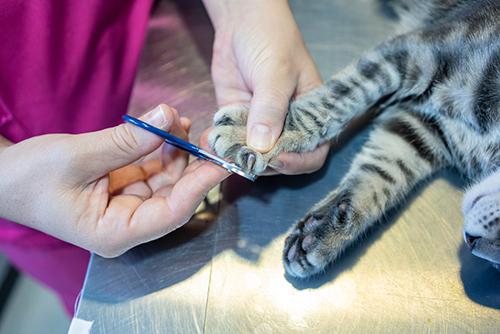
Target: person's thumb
x: 112, y: 148
x: 271, y: 96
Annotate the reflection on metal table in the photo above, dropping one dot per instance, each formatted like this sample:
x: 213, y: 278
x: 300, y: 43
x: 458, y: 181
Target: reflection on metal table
x: 410, y: 274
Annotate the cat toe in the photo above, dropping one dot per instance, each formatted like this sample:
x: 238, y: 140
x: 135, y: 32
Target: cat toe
x: 228, y: 138
x: 303, y: 255
x: 226, y: 141
x: 232, y: 115
x: 251, y: 160
x: 320, y: 237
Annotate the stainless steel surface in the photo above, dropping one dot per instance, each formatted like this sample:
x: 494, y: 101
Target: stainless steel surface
x: 410, y: 274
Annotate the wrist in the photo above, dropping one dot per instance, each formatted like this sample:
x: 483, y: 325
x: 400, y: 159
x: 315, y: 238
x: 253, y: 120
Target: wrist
x: 9, y: 183
x: 223, y: 12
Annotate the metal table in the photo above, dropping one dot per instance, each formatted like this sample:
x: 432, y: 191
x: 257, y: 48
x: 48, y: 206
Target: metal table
x: 410, y: 274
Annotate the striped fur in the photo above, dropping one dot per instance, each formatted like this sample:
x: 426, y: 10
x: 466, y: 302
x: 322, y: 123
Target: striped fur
x: 440, y: 87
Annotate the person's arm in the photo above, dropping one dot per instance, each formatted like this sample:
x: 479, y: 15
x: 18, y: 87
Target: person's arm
x: 59, y: 184
x: 4, y: 143
x: 260, y: 59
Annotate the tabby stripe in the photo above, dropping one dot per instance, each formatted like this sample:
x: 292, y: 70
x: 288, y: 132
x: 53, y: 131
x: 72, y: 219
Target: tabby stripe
x: 225, y: 120
x: 399, y: 59
x: 368, y: 69
x: 410, y: 135
x: 409, y: 175
x: 325, y: 101
x: 486, y: 106
x: 301, y: 124
x: 377, y: 170
x: 341, y: 216
x: 312, y: 117
x: 494, y: 149
x: 215, y: 140
x: 366, y: 96
x: 338, y: 88
x: 376, y: 201
x: 475, y: 166
x: 445, y: 66
x: 379, y: 157
x: 433, y: 124
x: 387, y: 193
x: 291, y: 124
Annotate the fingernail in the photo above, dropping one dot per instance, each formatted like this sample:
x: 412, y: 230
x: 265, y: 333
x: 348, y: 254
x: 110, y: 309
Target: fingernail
x: 276, y: 164
x: 157, y: 117
x: 261, y: 138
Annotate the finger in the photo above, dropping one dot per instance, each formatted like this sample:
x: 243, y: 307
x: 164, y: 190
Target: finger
x: 163, y: 191
x: 113, y: 232
x: 309, y: 77
x: 171, y: 171
x: 204, y: 139
x: 274, y: 87
x: 151, y: 167
x: 158, y: 216
x: 269, y: 171
x: 162, y: 184
x: 120, y: 178
x: 103, y: 151
x: 197, y: 163
x: 199, y: 180
x: 174, y: 161
x: 139, y: 189
x: 301, y: 163
x: 186, y: 123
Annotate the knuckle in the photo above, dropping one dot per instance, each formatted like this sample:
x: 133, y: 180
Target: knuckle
x: 124, y: 139
x: 109, y: 247
x: 282, y: 65
x: 272, y: 98
x: 109, y: 251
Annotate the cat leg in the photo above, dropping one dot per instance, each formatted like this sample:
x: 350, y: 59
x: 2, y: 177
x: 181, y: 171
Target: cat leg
x: 321, y: 114
x: 401, y: 151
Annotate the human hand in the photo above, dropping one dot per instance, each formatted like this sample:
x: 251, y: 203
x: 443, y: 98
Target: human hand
x: 59, y: 184
x: 259, y: 59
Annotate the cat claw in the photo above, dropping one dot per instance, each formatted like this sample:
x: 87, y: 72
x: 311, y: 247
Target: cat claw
x: 251, y: 161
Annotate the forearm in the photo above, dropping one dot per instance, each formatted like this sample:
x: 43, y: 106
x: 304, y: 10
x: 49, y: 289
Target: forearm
x: 15, y: 178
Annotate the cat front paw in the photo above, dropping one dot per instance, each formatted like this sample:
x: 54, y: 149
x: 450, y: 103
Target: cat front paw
x: 228, y: 139
x: 319, y: 238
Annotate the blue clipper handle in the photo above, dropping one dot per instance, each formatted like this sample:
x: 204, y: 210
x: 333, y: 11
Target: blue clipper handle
x: 187, y: 146
x: 171, y: 139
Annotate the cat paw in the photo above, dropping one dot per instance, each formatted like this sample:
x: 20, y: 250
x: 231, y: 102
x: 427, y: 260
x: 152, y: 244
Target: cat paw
x: 319, y: 237
x: 228, y: 139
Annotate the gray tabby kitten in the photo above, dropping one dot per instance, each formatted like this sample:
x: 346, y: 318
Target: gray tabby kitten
x: 438, y: 90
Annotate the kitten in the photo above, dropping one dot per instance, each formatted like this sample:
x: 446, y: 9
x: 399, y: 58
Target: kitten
x: 437, y: 87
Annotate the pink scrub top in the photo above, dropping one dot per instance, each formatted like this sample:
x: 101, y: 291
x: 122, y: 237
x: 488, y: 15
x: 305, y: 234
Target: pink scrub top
x: 66, y: 66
